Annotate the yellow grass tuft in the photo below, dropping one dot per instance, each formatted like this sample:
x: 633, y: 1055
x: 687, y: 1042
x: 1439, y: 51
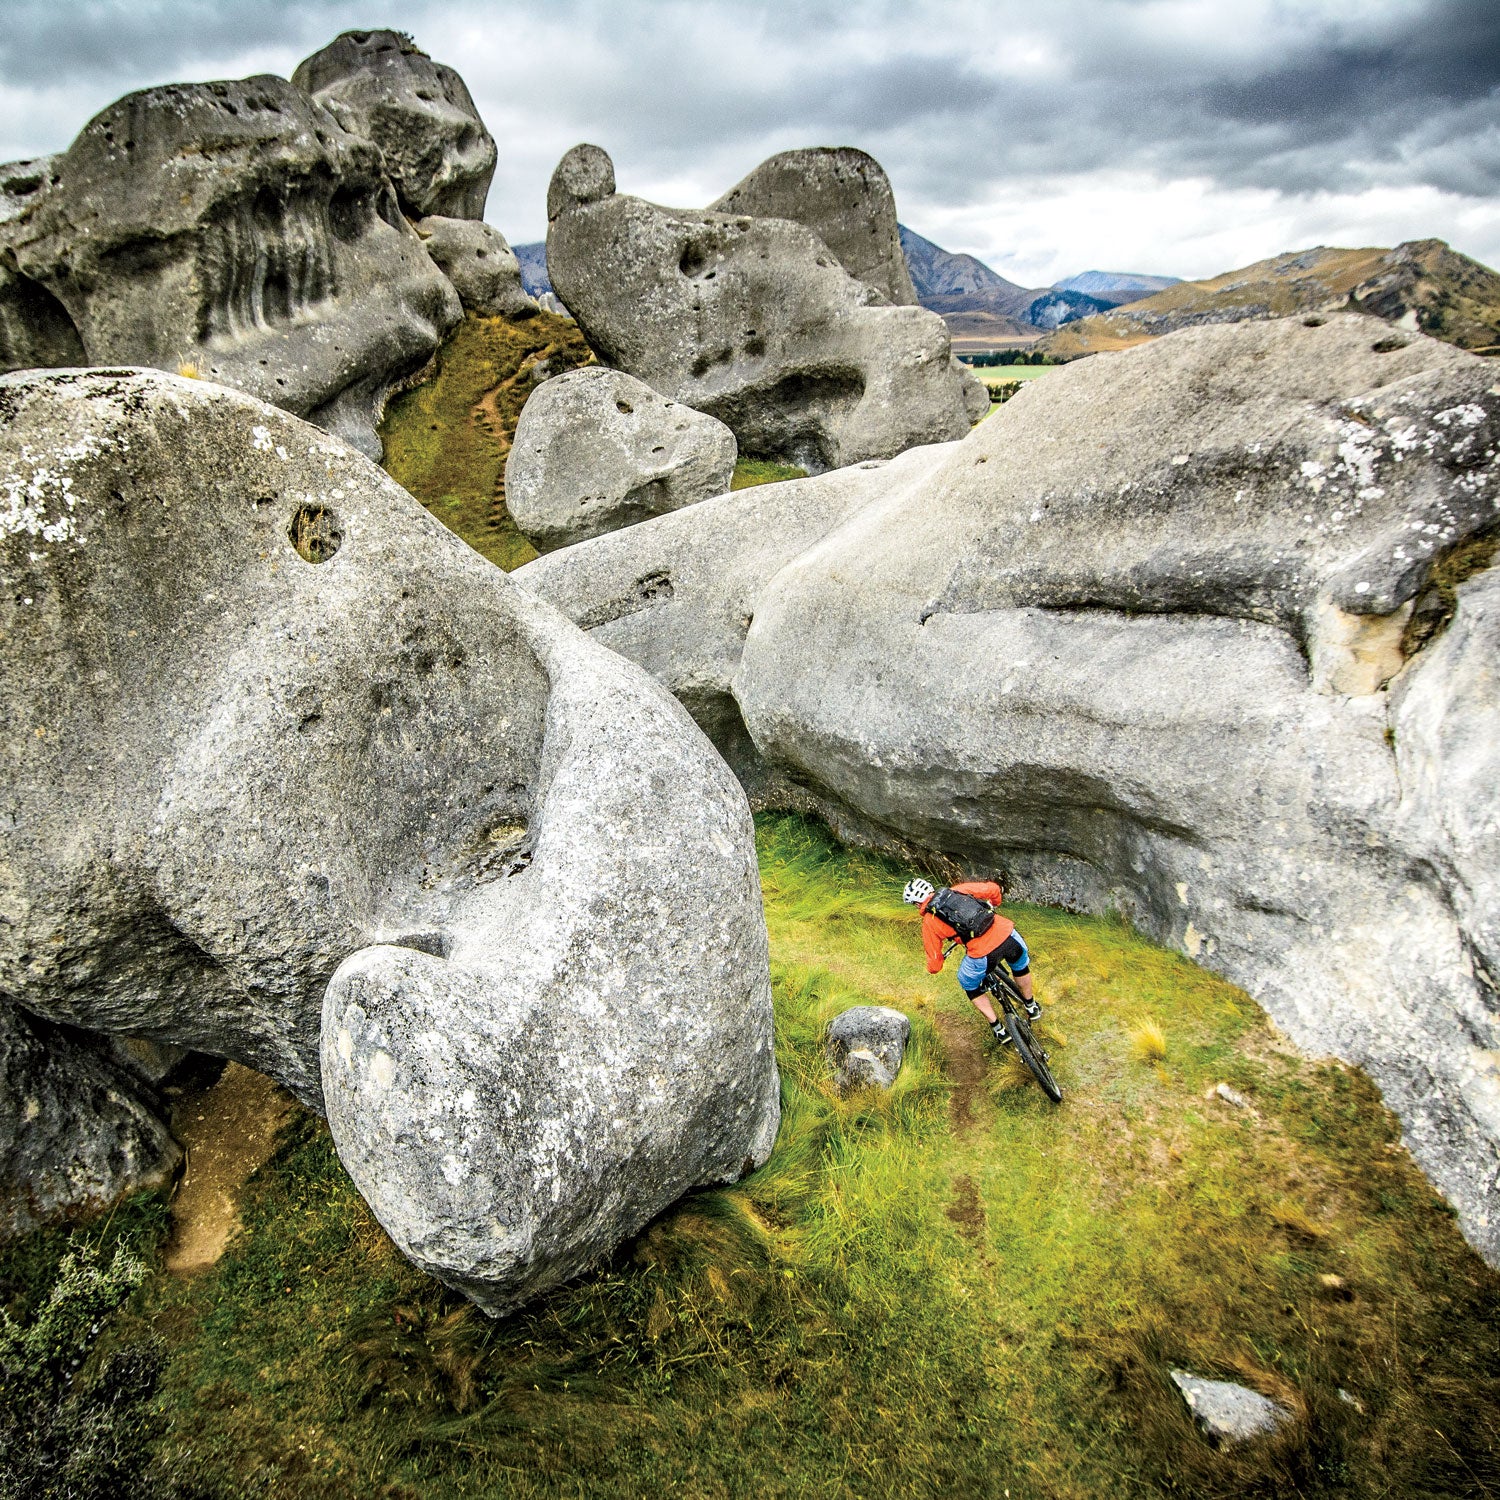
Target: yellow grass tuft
x: 1148, y: 1042
x: 189, y: 369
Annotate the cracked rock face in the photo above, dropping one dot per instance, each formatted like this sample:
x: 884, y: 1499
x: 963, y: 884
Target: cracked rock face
x: 752, y: 320
x: 233, y: 229
x: 296, y: 778
x: 597, y: 449
x: 379, y: 85
x: 1152, y: 638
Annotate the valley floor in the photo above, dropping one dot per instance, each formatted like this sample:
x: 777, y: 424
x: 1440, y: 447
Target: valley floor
x: 956, y: 1288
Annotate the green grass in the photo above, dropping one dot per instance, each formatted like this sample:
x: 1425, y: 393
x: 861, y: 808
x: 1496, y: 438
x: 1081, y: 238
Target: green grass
x: 446, y: 440
x: 1002, y: 374
x: 752, y: 471
x: 952, y: 1288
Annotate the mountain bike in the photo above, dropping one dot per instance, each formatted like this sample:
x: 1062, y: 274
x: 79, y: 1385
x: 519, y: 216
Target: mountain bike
x: 1008, y: 1001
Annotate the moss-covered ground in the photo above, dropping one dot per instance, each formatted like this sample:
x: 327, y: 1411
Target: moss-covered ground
x: 447, y: 439
x: 955, y: 1288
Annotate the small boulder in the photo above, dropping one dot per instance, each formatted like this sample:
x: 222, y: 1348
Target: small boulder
x: 479, y: 262
x: 597, y: 449
x: 380, y: 85
x: 865, y: 1046
x: 1228, y: 1413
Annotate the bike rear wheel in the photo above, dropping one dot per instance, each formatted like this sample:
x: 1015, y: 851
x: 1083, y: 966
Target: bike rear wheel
x: 1032, y: 1054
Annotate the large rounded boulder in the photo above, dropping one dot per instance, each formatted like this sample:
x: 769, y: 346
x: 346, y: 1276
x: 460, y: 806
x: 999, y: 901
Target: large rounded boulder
x: 381, y: 86
x: 296, y: 778
x: 232, y: 230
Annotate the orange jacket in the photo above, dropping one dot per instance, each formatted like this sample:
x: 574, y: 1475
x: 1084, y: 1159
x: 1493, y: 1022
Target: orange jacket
x: 936, y: 932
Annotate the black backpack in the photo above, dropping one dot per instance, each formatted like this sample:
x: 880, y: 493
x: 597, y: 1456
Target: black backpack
x: 968, y: 916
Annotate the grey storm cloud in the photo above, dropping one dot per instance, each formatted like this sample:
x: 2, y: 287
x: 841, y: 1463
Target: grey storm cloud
x: 956, y: 97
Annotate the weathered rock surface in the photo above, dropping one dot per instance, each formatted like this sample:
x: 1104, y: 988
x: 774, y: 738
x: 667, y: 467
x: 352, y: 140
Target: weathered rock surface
x: 481, y: 265
x: 844, y: 197
x: 597, y: 449
x: 865, y: 1046
x: 76, y: 1132
x: 265, y: 720
x: 380, y: 85
x: 231, y: 227
x: 677, y: 594
x: 1228, y: 1413
x: 1129, y: 643
x: 751, y: 320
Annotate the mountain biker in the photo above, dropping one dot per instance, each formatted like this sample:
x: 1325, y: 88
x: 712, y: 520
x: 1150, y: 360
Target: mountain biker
x: 993, y: 938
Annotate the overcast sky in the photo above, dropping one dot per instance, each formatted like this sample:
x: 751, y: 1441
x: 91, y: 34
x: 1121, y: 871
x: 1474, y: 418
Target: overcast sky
x: 1048, y: 137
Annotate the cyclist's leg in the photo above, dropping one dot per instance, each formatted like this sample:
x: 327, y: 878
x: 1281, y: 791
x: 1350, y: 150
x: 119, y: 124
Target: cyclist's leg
x: 1013, y: 951
x: 971, y: 974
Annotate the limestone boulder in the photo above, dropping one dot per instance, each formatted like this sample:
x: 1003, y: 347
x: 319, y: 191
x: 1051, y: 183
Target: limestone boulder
x: 1228, y: 1413
x: 232, y: 230
x: 296, y: 778
x: 381, y: 86
x: 479, y: 262
x: 597, y: 449
x: 77, y: 1132
x: 865, y: 1046
x: 843, y: 196
x: 752, y: 320
x: 678, y: 593
x: 1157, y: 637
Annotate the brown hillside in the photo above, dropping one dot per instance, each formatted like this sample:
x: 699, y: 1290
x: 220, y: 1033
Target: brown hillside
x: 1422, y: 284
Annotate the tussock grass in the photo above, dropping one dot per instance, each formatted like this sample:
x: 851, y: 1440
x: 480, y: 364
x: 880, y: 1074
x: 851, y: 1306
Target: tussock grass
x: 900, y: 1302
x: 1148, y: 1042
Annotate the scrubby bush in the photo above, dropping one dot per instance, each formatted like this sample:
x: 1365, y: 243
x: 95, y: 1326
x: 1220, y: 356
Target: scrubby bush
x: 71, y: 1425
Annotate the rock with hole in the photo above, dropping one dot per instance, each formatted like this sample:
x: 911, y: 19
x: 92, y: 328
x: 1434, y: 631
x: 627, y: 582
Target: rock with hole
x: 381, y: 86
x: 1148, y: 640
x: 865, y: 1045
x: 233, y: 231
x: 752, y: 320
x: 296, y: 778
x: 597, y: 449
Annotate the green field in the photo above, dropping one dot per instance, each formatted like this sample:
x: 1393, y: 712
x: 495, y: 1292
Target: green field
x: 951, y: 1289
x: 998, y: 374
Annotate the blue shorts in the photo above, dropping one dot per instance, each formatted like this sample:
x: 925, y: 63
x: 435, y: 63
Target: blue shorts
x: 972, y: 971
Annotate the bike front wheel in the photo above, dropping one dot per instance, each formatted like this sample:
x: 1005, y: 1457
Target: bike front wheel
x: 1032, y: 1055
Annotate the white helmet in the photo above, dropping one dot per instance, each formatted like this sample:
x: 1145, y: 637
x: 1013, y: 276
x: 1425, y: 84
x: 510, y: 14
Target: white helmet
x: 917, y: 891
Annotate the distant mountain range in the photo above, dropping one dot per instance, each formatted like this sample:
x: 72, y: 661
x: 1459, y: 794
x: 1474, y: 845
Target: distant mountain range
x: 981, y: 306
x: 1422, y: 284
x: 533, y: 258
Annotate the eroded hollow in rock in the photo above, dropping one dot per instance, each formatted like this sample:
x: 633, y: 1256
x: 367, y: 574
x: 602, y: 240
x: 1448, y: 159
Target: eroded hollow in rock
x: 315, y: 533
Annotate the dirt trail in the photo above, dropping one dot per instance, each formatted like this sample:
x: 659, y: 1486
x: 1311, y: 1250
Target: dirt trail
x: 227, y: 1132
x: 966, y: 1064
